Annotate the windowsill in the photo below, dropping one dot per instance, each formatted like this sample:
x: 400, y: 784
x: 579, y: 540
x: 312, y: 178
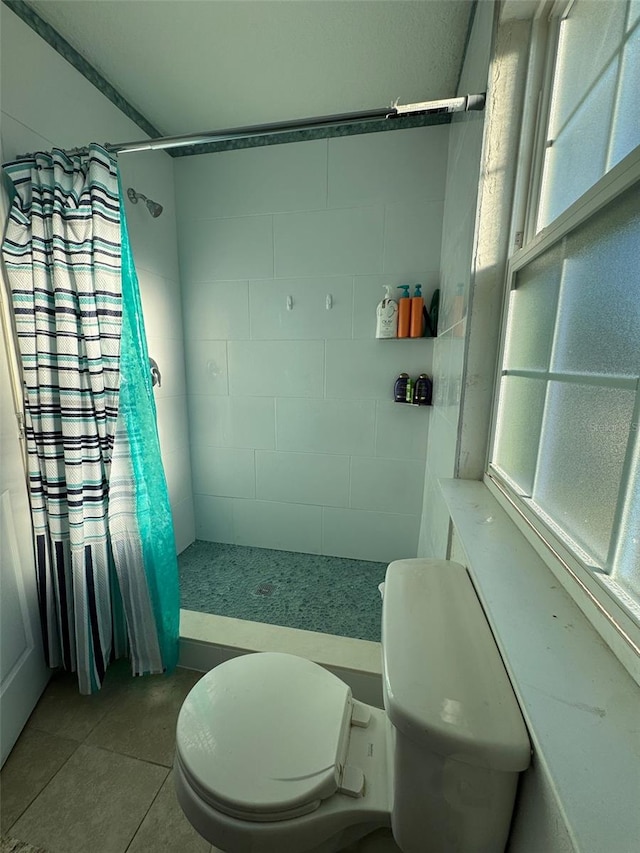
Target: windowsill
x: 580, y: 705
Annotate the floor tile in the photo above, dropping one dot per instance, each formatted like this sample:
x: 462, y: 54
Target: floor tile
x: 95, y: 803
x: 65, y: 712
x: 35, y: 759
x: 165, y: 829
x: 142, y: 722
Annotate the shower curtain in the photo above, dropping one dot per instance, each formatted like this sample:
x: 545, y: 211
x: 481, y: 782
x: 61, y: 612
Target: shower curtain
x: 103, y: 535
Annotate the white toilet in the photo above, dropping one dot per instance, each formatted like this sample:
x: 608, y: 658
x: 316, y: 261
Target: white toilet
x: 273, y: 755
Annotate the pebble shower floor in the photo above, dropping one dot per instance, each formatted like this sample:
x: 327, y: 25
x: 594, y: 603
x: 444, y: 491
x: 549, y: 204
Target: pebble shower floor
x: 332, y: 595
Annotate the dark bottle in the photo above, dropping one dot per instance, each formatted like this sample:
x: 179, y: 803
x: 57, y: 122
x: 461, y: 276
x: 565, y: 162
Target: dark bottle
x: 422, y: 391
x: 400, y: 388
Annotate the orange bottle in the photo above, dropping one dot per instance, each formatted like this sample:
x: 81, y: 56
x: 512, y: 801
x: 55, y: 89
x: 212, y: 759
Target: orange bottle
x: 417, y: 313
x: 404, y: 312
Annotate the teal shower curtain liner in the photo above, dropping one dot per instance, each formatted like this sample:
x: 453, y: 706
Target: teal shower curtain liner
x: 138, y: 411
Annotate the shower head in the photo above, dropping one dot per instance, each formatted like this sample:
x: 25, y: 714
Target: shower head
x: 153, y: 207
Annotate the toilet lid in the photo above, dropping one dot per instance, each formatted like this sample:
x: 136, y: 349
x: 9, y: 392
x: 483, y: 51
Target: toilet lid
x: 264, y: 736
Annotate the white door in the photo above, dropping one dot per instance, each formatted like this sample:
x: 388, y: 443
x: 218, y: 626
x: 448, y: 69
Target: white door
x: 23, y: 674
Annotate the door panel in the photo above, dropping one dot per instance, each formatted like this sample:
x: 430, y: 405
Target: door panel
x: 23, y: 674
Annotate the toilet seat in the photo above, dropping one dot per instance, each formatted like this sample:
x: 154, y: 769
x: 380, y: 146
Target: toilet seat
x: 264, y: 737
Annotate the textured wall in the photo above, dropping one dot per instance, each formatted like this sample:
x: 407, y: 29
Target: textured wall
x: 46, y: 102
x: 295, y: 441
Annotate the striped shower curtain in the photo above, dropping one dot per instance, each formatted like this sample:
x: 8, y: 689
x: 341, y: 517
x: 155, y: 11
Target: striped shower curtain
x: 104, y: 549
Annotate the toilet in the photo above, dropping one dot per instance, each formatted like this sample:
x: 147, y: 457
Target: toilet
x: 274, y: 755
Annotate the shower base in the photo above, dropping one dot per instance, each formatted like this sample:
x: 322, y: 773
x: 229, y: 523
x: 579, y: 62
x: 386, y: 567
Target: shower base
x: 331, y: 595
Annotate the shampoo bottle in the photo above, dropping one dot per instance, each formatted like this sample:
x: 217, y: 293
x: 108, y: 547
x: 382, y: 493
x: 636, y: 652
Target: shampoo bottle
x: 387, y: 316
x: 417, y: 312
x: 404, y: 311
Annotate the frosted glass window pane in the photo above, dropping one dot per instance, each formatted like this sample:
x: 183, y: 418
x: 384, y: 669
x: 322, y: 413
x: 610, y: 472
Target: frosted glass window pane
x: 626, y: 122
x: 532, y: 309
x: 626, y: 567
x: 518, y: 429
x: 598, y: 327
x: 588, y: 39
x: 584, y: 440
x: 577, y: 157
x: 634, y: 13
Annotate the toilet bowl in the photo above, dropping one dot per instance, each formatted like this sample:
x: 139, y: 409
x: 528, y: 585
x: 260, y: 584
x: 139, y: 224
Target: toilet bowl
x: 274, y: 754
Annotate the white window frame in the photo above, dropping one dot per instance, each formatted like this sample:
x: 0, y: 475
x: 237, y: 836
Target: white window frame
x: 619, y: 625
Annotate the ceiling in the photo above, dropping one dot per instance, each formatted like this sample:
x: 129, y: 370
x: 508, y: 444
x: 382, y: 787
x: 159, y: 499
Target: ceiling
x: 197, y: 65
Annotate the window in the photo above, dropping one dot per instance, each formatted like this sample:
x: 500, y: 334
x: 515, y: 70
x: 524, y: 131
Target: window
x: 593, y: 120
x: 566, y: 436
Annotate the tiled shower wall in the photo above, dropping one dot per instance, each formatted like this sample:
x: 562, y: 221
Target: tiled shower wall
x: 465, y: 148
x: 295, y: 441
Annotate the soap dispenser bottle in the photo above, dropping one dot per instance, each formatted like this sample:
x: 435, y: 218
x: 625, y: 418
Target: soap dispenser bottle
x: 404, y: 311
x: 417, y: 313
x: 387, y: 316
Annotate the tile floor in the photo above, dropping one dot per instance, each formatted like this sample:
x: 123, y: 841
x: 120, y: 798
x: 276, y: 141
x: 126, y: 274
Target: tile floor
x: 92, y: 774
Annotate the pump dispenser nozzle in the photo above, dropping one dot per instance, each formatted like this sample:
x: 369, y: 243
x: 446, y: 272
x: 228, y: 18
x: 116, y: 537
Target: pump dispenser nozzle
x: 405, y: 288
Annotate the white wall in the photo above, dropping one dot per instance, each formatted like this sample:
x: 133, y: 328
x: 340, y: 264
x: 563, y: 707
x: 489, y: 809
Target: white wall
x: 46, y: 102
x: 295, y: 441
x: 465, y: 147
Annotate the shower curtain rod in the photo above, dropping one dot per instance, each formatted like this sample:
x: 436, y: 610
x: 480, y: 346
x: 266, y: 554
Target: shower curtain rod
x: 449, y: 105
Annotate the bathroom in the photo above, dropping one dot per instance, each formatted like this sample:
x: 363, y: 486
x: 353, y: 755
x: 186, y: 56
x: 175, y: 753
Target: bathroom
x: 209, y: 359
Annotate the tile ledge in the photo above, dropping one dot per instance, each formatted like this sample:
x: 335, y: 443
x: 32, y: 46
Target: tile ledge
x: 326, y: 649
x: 572, y: 690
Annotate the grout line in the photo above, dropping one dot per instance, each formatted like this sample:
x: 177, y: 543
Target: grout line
x: 42, y: 790
x: 147, y: 811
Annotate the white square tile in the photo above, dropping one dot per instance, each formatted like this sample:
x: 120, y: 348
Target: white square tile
x: 283, y: 526
x: 425, y: 547
x: 207, y: 367
x: 309, y: 317
x: 328, y: 242
x: 378, y: 167
x: 401, y: 431
x: 226, y: 249
x: 177, y: 470
x: 217, y: 311
x: 161, y: 305
x: 173, y: 423
x: 369, y: 535
x: 441, y: 452
x: 214, y: 518
x: 412, y: 235
x: 369, y: 368
x: 276, y: 368
x: 387, y: 485
x: 154, y: 244
x: 233, y: 421
x: 368, y: 291
x: 307, y: 478
x: 223, y: 472
x: 184, y: 530
x: 270, y: 179
x: 326, y: 426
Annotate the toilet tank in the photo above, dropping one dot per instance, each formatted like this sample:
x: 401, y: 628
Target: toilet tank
x: 458, y: 737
